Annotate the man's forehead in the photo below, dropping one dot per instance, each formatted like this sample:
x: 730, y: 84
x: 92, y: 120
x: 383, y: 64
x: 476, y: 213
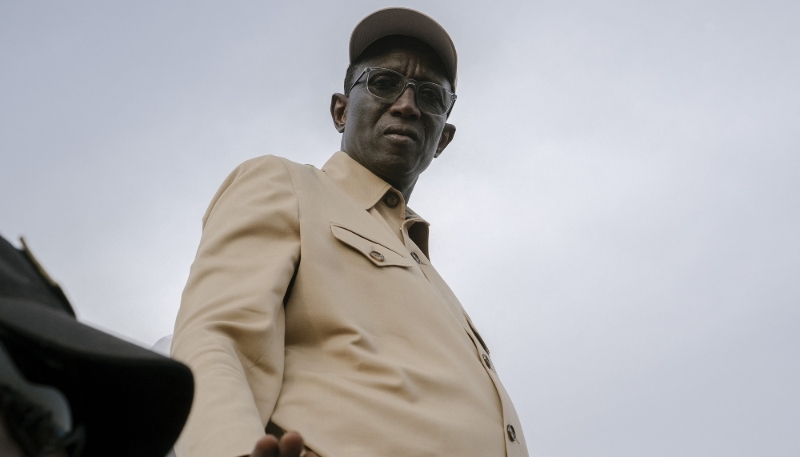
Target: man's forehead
x: 402, y: 53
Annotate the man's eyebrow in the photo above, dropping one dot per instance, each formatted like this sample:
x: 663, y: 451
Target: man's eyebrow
x: 434, y: 77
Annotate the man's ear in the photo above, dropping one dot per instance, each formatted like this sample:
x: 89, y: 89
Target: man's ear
x: 448, y: 133
x: 339, y: 111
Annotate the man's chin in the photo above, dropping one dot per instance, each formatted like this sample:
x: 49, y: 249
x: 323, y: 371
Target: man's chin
x: 394, y: 165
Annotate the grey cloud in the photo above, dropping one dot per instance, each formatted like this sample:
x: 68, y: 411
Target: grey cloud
x: 618, y: 211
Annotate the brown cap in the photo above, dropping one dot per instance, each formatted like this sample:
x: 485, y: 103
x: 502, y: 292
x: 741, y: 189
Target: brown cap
x: 407, y: 22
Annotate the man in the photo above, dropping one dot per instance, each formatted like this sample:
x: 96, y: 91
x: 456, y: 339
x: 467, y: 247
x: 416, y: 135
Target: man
x: 312, y: 304
x: 67, y: 389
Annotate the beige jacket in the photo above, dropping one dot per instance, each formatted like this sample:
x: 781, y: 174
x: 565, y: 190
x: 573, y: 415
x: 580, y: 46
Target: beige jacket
x: 312, y: 303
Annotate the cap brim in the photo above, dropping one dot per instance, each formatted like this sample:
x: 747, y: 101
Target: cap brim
x: 131, y: 401
x: 407, y: 22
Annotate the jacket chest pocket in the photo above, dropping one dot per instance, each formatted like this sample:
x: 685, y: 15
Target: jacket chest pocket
x: 375, y: 252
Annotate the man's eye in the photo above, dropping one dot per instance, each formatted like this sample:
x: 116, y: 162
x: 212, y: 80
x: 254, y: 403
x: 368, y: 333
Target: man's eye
x: 384, y: 81
x: 431, y: 94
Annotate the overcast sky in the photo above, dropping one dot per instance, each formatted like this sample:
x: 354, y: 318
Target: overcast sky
x: 619, y: 211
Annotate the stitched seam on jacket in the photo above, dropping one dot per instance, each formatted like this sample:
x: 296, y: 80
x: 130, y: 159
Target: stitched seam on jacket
x: 297, y: 218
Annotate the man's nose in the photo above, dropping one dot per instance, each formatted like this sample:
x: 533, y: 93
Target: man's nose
x: 406, y: 104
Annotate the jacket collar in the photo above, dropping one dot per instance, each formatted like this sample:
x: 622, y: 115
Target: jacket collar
x: 358, y: 182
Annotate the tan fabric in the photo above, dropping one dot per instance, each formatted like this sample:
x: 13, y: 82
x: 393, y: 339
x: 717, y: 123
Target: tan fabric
x: 305, y: 306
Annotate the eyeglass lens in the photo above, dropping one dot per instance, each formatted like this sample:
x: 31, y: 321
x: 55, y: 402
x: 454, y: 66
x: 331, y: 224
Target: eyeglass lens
x: 430, y: 97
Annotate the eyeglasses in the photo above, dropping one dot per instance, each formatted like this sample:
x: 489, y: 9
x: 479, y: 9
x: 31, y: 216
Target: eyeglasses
x: 388, y: 84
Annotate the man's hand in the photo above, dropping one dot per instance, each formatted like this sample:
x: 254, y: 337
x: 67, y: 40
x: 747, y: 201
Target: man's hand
x: 290, y: 445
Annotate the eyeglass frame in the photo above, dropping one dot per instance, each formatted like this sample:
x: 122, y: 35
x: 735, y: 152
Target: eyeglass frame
x: 408, y: 82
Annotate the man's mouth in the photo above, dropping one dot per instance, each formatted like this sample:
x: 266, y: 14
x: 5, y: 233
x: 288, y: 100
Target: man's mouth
x: 400, y: 131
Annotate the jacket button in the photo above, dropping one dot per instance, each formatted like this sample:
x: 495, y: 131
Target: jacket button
x: 512, y: 435
x: 415, y: 257
x: 487, y: 361
x: 377, y: 256
x: 391, y: 200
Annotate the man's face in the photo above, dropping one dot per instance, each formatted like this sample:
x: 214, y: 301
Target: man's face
x: 395, y: 139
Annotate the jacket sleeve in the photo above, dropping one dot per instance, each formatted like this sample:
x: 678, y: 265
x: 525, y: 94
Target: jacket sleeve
x: 230, y: 327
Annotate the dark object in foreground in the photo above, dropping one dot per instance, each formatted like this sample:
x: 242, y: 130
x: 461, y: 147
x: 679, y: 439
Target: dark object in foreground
x: 122, y: 400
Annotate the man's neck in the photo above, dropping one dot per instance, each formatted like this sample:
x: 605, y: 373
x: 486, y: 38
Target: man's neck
x: 405, y: 190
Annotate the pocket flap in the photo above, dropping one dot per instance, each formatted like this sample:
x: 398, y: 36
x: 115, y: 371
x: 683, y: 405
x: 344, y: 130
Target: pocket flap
x: 475, y: 332
x: 375, y: 252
